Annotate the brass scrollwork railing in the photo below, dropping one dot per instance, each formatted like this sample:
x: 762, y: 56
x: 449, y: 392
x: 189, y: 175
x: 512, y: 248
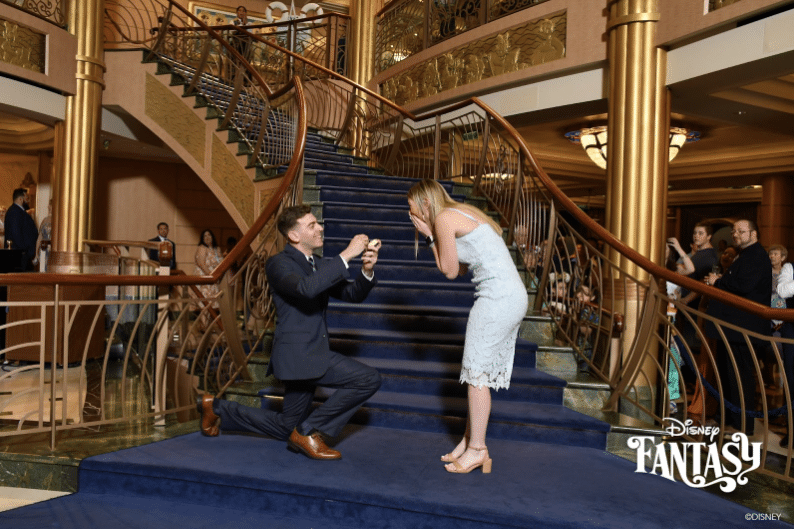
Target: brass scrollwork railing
x: 406, y: 27
x: 51, y: 10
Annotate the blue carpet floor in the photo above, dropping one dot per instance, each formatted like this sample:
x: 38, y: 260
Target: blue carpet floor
x: 387, y: 479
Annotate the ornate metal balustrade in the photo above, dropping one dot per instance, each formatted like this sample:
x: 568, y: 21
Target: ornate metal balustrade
x: 406, y: 27
x: 52, y: 10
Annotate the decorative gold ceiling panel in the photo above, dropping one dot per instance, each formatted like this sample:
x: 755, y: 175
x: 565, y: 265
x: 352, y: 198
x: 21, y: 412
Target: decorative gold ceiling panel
x: 537, y: 42
x: 22, y: 46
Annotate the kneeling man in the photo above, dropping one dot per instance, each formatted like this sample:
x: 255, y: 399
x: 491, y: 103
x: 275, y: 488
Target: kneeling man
x: 301, y: 284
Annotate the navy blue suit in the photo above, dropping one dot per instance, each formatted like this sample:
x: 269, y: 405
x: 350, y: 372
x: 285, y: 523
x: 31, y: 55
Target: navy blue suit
x: 301, y: 355
x: 21, y: 230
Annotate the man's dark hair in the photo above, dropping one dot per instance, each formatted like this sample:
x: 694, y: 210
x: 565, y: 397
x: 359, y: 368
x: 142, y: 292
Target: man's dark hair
x: 18, y: 192
x: 706, y: 226
x: 243, y: 8
x: 288, y: 218
x: 162, y: 224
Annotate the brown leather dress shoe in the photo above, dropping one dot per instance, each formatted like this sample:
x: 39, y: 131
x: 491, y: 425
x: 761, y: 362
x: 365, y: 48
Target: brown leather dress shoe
x: 210, y: 423
x: 312, y: 445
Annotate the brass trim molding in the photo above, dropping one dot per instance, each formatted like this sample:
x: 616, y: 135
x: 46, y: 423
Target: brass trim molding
x: 91, y: 78
x: 536, y: 42
x: 91, y: 60
x: 233, y: 180
x: 630, y: 19
x: 170, y: 113
x: 22, y: 46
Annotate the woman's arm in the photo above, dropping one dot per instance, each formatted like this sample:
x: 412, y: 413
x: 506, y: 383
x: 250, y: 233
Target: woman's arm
x: 443, y: 246
x: 202, y: 260
x: 444, y: 249
x: 686, y: 266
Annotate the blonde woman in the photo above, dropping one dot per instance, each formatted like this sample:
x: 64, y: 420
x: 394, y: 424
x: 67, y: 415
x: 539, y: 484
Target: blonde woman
x: 462, y: 237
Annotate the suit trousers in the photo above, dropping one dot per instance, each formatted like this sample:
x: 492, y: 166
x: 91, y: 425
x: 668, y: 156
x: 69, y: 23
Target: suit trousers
x: 354, y: 383
x: 730, y: 379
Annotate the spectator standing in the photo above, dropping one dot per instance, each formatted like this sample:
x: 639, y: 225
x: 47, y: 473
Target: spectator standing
x: 162, y: 236
x: 704, y: 259
x: 750, y: 277
x: 785, y: 290
x: 20, y: 229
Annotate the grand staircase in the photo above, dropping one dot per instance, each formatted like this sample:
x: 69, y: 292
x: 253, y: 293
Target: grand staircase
x: 412, y: 325
x: 410, y: 328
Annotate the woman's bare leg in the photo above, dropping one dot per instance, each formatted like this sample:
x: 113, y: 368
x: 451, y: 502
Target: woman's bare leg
x: 479, y: 412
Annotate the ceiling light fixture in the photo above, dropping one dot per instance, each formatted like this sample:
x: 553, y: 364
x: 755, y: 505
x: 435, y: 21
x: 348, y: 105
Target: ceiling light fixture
x: 594, y: 142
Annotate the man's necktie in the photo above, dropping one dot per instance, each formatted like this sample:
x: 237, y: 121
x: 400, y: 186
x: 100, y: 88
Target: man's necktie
x: 311, y: 261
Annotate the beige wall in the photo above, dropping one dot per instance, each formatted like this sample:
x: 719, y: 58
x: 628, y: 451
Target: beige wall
x: 681, y: 20
x: 133, y: 196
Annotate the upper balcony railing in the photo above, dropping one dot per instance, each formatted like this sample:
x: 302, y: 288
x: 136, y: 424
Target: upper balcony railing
x: 54, y: 11
x: 406, y: 27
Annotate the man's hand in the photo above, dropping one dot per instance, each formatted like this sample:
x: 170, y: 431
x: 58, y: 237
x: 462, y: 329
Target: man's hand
x: 357, y: 245
x: 370, y: 256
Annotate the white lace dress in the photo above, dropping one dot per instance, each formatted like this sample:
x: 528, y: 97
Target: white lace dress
x: 500, y: 306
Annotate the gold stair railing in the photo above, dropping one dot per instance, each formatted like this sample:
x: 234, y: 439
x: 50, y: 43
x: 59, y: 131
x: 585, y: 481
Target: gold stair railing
x: 615, y: 323
x: 119, y: 345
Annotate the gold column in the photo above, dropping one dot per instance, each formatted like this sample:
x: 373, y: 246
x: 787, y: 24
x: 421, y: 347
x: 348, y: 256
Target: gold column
x: 362, y: 39
x: 77, y: 160
x: 638, y: 128
x: 636, y: 162
x: 360, y: 62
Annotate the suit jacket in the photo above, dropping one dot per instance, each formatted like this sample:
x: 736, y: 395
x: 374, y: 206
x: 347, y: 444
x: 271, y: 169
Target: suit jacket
x: 21, y: 230
x: 750, y: 276
x: 154, y: 254
x: 301, y: 349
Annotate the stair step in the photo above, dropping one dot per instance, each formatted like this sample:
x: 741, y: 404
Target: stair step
x: 418, y: 351
x: 525, y: 421
x: 392, y: 183
x: 356, y: 195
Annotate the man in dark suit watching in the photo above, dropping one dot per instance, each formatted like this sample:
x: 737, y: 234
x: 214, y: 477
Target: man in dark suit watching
x: 20, y: 229
x: 749, y: 276
x: 301, y: 284
x: 162, y: 236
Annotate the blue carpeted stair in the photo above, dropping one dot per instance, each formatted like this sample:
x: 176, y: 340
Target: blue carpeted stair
x: 411, y: 326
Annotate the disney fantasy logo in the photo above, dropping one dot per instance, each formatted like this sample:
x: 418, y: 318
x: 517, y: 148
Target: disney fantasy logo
x: 698, y: 460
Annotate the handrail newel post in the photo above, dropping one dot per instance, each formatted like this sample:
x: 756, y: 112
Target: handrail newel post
x: 54, y: 359
x: 543, y: 281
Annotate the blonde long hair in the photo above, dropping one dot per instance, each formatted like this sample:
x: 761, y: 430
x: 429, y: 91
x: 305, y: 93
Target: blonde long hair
x: 438, y: 199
